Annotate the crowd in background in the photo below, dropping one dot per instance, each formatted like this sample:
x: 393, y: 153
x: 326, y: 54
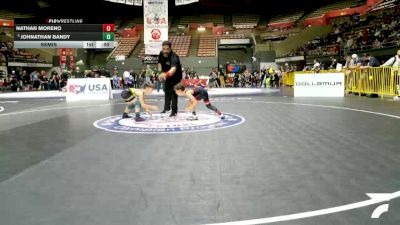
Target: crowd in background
x: 8, y: 52
x: 21, y: 80
x: 364, y: 61
x: 266, y: 77
x: 357, y: 33
x: 34, y: 81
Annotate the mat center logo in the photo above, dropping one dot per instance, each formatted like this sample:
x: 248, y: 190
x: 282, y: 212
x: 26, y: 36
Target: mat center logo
x: 162, y: 123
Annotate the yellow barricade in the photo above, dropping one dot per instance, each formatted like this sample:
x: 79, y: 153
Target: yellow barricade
x: 395, y: 81
x: 288, y: 78
x: 383, y: 81
x: 372, y: 80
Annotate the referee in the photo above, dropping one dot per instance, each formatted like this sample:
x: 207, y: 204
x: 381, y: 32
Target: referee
x: 169, y: 64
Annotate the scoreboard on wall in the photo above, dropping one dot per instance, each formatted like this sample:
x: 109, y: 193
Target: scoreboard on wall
x: 62, y: 33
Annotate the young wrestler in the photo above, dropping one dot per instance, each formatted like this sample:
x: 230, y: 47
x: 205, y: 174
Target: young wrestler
x: 194, y: 95
x: 135, y: 99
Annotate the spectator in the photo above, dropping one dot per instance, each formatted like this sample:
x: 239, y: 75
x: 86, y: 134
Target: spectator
x: 317, y: 66
x: 44, y: 80
x: 357, y: 62
x: 54, y: 81
x: 149, y: 73
x: 125, y: 76
x: 333, y: 64
x: 35, y: 80
x: 64, y: 79
x: 26, y: 80
x: 14, y: 82
x: 394, y: 61
x: 115, y: 82
x: 377, y: 44
x: 222, y: 77
x: 370, y: 61
x: 212, y: 80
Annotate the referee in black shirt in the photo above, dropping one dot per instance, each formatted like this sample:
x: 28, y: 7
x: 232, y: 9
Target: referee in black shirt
x: 169, y: 64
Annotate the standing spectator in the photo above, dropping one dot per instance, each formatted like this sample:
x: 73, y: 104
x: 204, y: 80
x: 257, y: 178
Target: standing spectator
x: 125, y: 76
x: 357, y: 63
x: 184, y: 74
x: 222, y: 78
x: 154, y: 78
x: 170, y: 65
x: 35, y: 80
x: 116, y: 81
x: 149, y: 73
x: 333, y: 64
x: 26, y: 80
x: 263, y: 78
x: 157, y: 82
x: 274, y: 80
x: 136, y: 79
x: 236, y: 80
x: 129, y: 81
x: 370, y: 61
x: 212, y: 80
x: 349, y: 75
x: 394, y: 61
x: 317, y: 66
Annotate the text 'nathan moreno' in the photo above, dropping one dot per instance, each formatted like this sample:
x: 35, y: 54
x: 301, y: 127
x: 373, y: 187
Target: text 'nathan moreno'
x: 38, y: 28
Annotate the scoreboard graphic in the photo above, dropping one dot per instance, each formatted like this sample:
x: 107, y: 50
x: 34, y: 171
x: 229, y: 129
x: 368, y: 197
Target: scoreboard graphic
x: 62, y: 33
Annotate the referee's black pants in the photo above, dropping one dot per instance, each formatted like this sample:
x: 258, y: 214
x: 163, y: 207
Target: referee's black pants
x: 171, y: 99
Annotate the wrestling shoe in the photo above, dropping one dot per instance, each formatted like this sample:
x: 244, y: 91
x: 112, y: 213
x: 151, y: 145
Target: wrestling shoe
x: 139, y: 119
x: 125, y: 116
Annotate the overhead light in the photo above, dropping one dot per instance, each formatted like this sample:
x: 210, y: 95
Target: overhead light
x: 42, y: 4
x: 201, y: 28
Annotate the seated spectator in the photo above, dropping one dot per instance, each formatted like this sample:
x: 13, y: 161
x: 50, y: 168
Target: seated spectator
x: 44, y: 80
x: 55, y: 81
x: 15, y: 83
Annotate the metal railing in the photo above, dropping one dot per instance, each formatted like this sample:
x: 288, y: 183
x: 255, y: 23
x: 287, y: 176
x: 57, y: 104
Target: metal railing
x: 383, y: 81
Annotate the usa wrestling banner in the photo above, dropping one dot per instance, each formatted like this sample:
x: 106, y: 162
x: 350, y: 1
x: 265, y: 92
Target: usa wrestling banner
x: 155, y: 13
